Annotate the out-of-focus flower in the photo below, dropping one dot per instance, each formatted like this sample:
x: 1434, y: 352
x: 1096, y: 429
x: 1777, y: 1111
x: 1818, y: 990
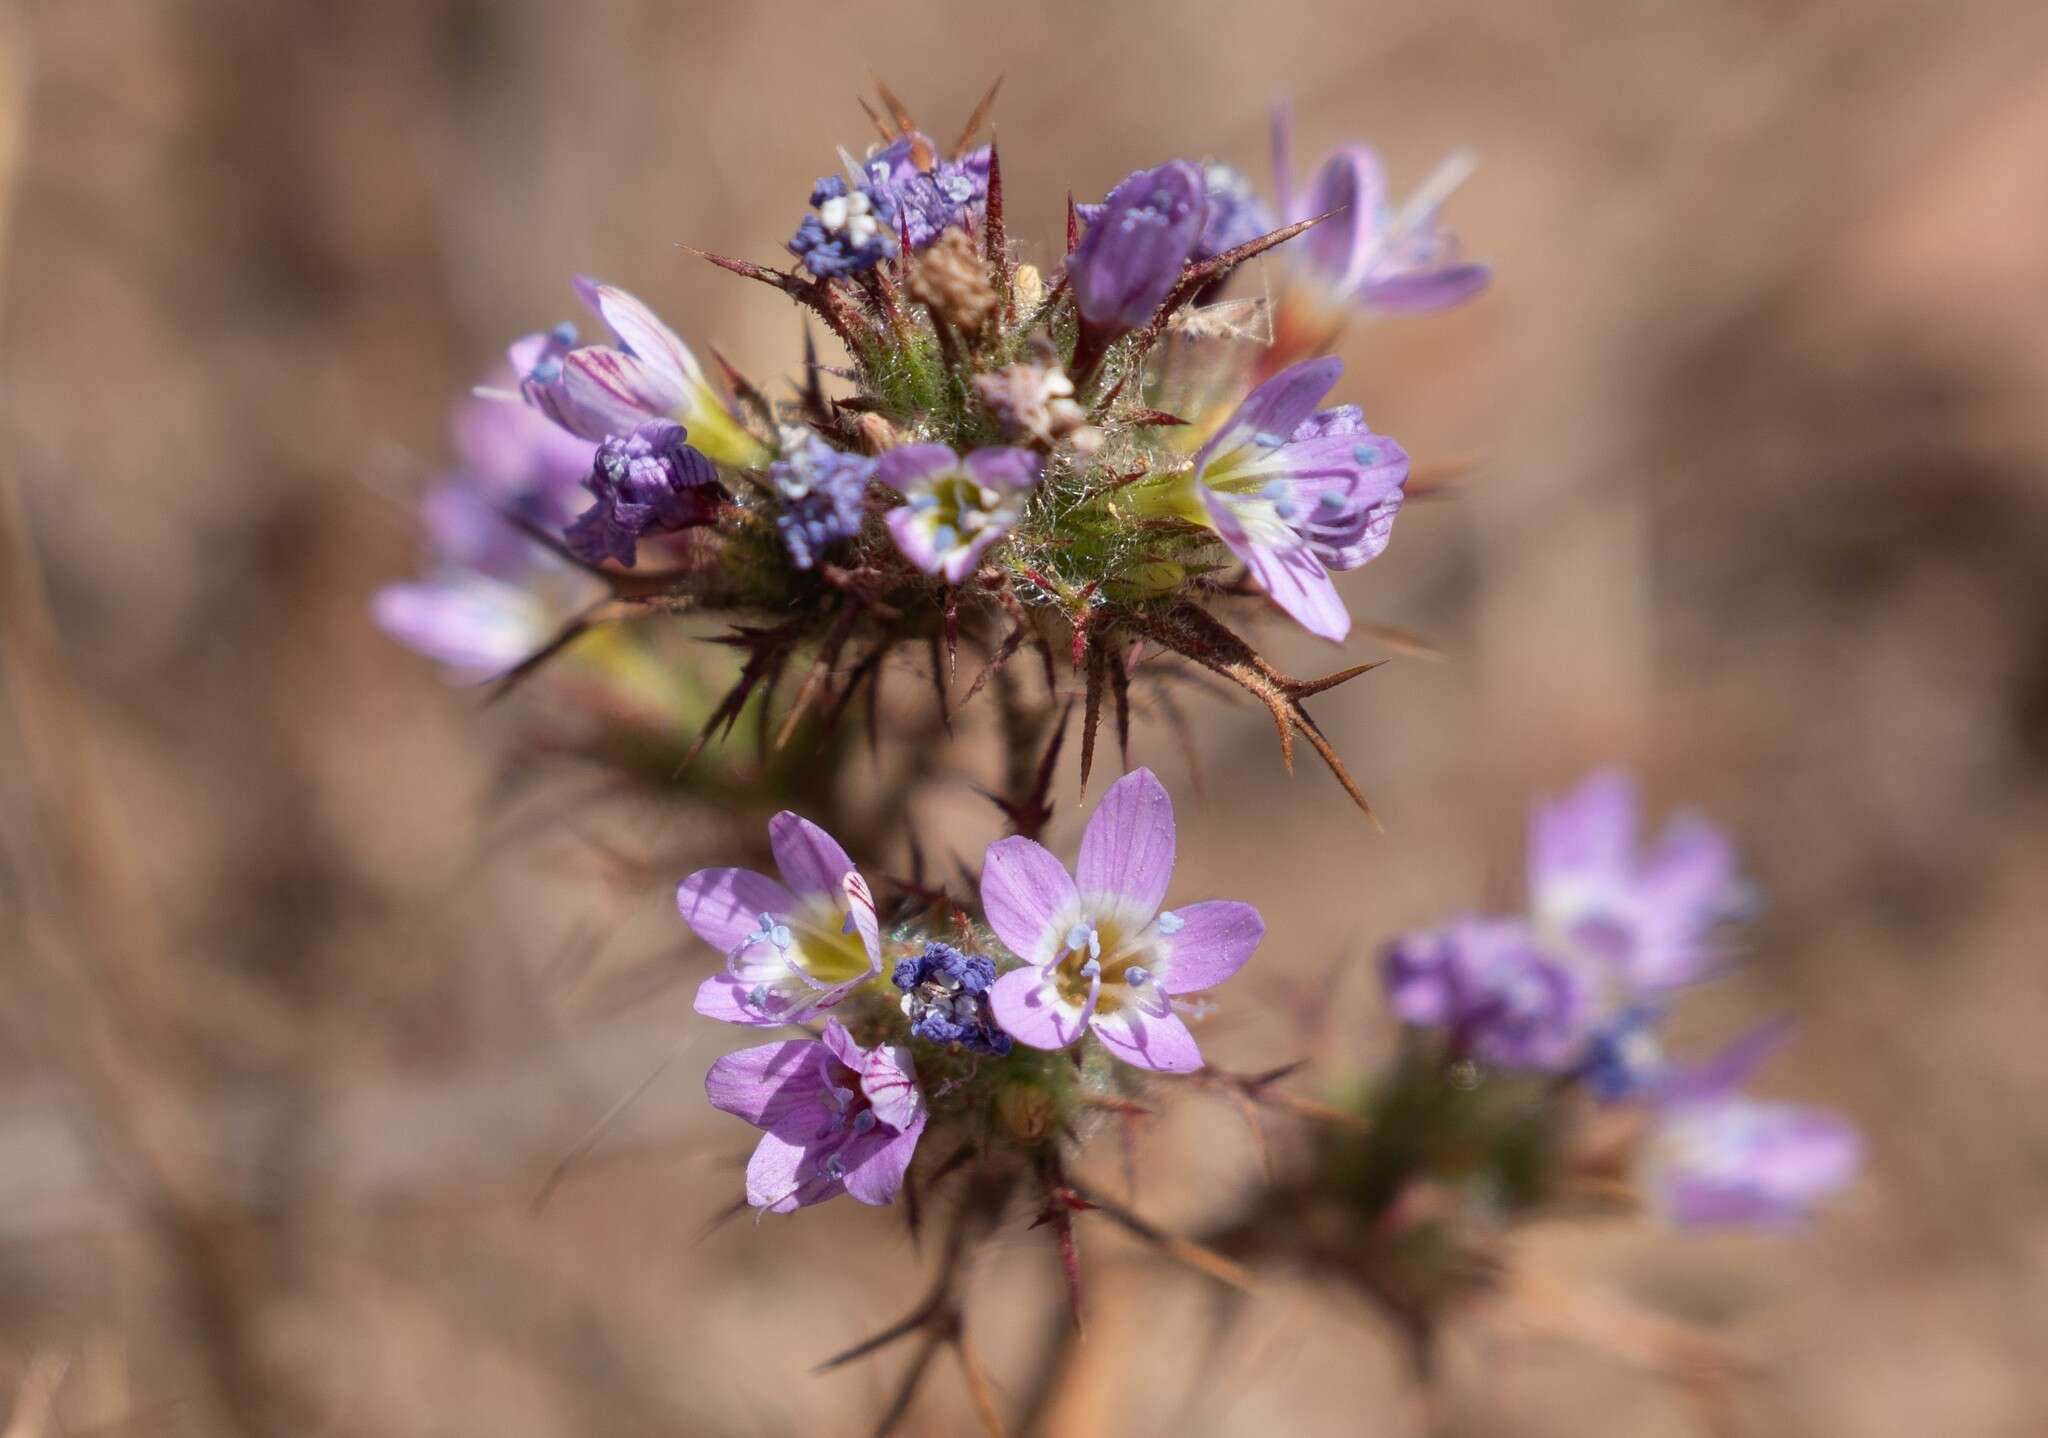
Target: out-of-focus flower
x: 1370, y: 254
x: 1293, y: 493
x: 1716, y: 1158
x: 822, y: 491
x: 837, y: 1118
x: 597, y: 390
x: 1099, y: 952
x: 490, y: 595
x: 650, y: 481
x: 958, y: 506
x: 1498, y: 996
x: 792, y: 946
x: 945, y: 997
x: 1132, y: 255
x: 1648, y: 911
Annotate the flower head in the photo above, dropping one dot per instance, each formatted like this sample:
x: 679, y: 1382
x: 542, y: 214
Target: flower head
x: 792, y: 946
x: 958, y: 506
x: 837, y: 1118
x: 822, y: 490
x: 1370, y: 254
x: 1099, y: 952
x: 1499, y: 996
x: 1134, y: 251
x: 1295, y: 492
x: 945, y: 997
x: 647, y: 482
x: 599, y: 390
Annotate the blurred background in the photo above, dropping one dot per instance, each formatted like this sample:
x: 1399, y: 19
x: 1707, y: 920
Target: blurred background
x: 315, y: 968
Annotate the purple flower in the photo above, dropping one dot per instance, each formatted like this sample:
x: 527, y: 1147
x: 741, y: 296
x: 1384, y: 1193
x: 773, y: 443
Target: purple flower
x: 847, y: 231
x: 791, y: 947
x: 822, y: 492
x: 1133, y: 253
x: 490, y: 595
x: 1294, y: 492
x: 647, y: 482
x: 1370, y: 254
x: 928, y: 201
x: 1718, y: 1159
x: 597, y: 390
x: 1099, y: 953
x: 1500, y: 997
x: 1739, y: 1162
x: 958, y: 507
x: 836, y: 1118
x: 858, y: 221
x: 1648, y: 912
x: 945, y: 997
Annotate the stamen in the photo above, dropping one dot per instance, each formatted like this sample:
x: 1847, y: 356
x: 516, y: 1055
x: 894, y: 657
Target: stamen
x: 1170, y: 923
x: 1137, y: 976
x: 864, y: 1121
x: 1366, y: 454
x: 835, y: 1167
x: 1091, y: 969
x: 563, y: 333
x: 1083, y: 936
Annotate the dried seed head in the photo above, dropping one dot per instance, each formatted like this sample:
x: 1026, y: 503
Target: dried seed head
x: 951, y: 280
x: 1026, y: 1110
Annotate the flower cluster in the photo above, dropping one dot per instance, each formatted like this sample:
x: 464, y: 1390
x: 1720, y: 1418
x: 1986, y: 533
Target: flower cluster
x: 1575, y: 987
x: 1101, y: 470
x: 1014, y: 458
x: 1088, y: 958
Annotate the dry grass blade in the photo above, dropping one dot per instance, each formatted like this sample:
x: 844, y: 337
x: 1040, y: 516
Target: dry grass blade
x: 979, y: 1391
x: 819, y: 672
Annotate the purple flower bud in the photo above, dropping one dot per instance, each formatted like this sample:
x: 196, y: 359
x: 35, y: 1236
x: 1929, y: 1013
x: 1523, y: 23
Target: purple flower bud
x: 646, y: 482
x: 1135, y: 250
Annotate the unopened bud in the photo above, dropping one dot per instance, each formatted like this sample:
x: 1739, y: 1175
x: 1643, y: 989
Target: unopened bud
x: 875, y: 434
x: 1026, y: 1110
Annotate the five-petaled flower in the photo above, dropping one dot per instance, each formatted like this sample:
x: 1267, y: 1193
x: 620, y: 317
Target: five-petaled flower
x: 1494, y: 991
x: 600, y: 390
x: 792, y: 946
x: 837, y: 1118
x: 1293, y: 492
x: 958, y: 506
x: 1099, y: 952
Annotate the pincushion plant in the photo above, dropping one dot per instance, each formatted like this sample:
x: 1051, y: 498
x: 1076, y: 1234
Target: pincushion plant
x: 1094, y: 475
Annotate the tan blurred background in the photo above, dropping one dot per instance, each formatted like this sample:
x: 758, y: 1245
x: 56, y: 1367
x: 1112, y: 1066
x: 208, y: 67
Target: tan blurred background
x: 313, y: 970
